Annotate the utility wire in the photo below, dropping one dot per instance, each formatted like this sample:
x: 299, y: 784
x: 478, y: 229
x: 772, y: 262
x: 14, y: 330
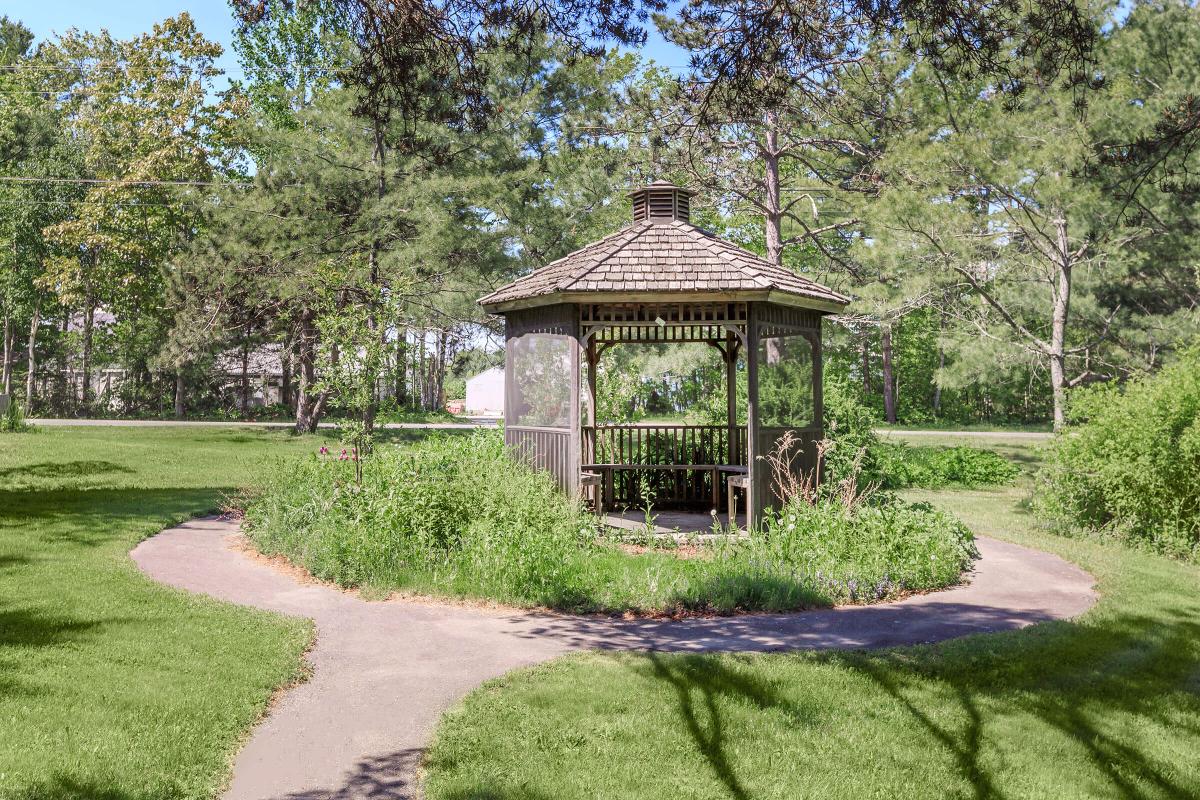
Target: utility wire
x: 122, y: 182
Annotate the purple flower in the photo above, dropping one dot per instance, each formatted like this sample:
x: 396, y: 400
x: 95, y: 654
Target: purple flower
x: 324, y: 450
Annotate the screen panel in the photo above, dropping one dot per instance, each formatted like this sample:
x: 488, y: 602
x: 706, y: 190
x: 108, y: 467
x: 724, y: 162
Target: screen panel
x: 787, y: 382
x: 541, y: 378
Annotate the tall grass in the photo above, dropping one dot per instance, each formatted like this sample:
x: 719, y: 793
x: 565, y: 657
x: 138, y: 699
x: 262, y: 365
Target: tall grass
x: 455, y: 516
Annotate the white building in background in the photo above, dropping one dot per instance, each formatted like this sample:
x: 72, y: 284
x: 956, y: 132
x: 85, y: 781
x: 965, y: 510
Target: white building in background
x: 485, y: 393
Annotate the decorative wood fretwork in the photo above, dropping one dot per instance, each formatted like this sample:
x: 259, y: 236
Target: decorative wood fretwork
x: 774, y: 320
x: 560, y: 319
x: 662, y: 322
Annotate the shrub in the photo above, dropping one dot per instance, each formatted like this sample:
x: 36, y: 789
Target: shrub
x: 850, y: 429
x: 861, y: 552
x: 12, y: 420
x: 447, y: 515
x: 456, y: 516
x: 903, y: 466
x: 1128, y: 462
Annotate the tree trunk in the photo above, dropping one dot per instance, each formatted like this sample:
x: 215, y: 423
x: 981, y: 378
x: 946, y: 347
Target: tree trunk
x: 419, y: 368
x: 285, y: 373
x: 180, y: 389
x: 310, y: 402
x: 244, y: 393
x: 8, y: 355
x: 62, y: 393
x: 89, y: 318
x: 889, y: 382
x: 1058, y: 325
x: 937, y: 383
x: 401, y: 390
x: 439, y: 395
x: 773, y: 216
x: 866, y: 359
x: 379, y: 156
x: 31, y: 359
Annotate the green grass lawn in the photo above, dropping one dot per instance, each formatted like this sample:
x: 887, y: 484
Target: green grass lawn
x: 1105, y: 706
x: 111, y: 686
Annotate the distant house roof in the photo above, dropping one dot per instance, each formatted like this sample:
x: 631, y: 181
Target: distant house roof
x: 662, y: 256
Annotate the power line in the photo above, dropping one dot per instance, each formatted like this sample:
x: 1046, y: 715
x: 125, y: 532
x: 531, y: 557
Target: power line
x: 121, y: 182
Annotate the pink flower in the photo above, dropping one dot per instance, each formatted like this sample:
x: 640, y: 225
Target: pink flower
x: 324, y: 450
x: 343, y: 456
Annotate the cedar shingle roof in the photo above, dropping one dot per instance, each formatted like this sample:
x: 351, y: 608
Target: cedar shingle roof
x: 656, y: 257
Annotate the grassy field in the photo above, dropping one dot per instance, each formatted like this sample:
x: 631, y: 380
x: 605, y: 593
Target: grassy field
x: 1105, y: 706
x: 114, y: 688
x: 111, y: 686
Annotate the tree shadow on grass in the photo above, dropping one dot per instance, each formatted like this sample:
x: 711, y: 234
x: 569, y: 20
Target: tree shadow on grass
x: 98, y: 516
x: 711, y: 679
x: 65, y: 787
x: 25, y: 629
x: 1069, y: 677
x: 1072, y: 679
x: 11, y: 562
x: 64, y: 469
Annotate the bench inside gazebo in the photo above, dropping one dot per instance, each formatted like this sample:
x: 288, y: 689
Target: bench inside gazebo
x: 663, y: 280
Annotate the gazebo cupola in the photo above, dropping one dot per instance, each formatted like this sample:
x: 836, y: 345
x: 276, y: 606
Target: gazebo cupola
x: 662, y: 279
x: 661, y: 201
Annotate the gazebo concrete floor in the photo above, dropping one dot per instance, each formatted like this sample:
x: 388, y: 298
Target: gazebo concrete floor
x: 671, y: 523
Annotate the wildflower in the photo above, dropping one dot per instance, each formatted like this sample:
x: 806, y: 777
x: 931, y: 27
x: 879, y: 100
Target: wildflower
x: 324, y: 450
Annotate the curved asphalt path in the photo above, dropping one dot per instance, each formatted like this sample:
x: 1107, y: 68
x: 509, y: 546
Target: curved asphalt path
x: 383, y: 672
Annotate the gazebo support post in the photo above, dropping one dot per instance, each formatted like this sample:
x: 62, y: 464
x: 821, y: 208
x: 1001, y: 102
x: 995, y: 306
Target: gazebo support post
x: 730, y: 354
x: 754, y: 494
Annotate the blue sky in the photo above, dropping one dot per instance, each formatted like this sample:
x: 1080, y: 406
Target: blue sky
x: 131, y: 17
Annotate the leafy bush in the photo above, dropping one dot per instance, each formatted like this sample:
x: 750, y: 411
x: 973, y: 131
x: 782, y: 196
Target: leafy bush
x: 903, y: 466
x: 863, y: 552
x: 850, y: 429
x: 12, y: 420
x: 1128, y: 463
x: 447, y: 515
x: 455, y: 516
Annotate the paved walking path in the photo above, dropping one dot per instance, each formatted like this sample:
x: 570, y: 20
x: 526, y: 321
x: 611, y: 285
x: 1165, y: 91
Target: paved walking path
x: 383, y: 672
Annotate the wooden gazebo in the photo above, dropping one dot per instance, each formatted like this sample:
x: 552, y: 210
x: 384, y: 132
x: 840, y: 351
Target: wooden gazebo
x: 662, y: 279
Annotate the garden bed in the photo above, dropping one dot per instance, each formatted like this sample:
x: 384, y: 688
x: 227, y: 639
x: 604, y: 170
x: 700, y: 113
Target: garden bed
x: 456, y: 518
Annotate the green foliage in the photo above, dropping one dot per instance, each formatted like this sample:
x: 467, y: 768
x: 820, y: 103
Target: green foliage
x: 456, y: 516
x: 853, y: 445
x: 12, y: 419
x: 864, y: 553
x: 450, y: 515
x: 902, y: 466
x: 1127, y: 465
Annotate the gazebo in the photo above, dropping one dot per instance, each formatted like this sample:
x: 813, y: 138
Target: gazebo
x: 662, y: 279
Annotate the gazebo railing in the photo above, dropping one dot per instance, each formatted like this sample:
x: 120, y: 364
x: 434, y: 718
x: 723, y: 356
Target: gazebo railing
x: 630, y: 454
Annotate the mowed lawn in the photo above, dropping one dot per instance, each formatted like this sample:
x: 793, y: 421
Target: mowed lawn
x: 1107, y: 706
x: 111, y: 686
